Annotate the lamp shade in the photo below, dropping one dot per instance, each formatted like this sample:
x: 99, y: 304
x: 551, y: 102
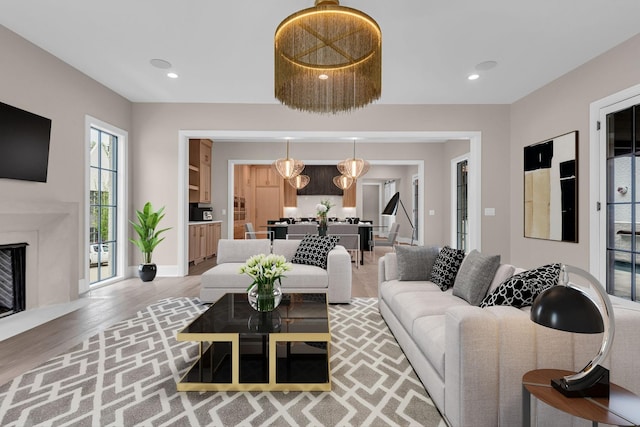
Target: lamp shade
x: 299, y: 182
x: 392, y: 206
x: 343, y: 182
x: 288, y: 168
x: 567, y: 309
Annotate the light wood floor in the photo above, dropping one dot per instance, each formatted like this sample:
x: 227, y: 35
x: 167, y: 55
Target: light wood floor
x: 111, y: 304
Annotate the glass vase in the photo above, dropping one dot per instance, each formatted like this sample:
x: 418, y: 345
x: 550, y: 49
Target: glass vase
x: 265, y: 297
x: 322, y: 225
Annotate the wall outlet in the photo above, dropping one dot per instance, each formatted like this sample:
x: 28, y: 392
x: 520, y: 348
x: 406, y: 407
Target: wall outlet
x: 432, y: 212
x: 224, y: 212
x: 489, y: 211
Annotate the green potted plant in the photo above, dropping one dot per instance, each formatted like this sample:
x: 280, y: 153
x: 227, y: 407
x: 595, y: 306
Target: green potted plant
x: 148, y: 238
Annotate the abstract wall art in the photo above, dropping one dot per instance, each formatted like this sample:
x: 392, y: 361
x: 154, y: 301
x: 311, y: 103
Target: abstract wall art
x: 551, y: 189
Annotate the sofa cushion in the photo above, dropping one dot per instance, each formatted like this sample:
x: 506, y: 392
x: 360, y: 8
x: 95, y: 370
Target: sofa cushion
x: 313, y: 250
x: 521, y: 289
x: 503, y: 272
x: 474, y: 276
x: 446, y: 267
x: 415, y: 262
x: 230, y: 250
x: 226, y: 275
x: 410, y: 306
x: 390, y: 288
x: 305, y: 276
x: 428, y: 333
x: 285, y: 247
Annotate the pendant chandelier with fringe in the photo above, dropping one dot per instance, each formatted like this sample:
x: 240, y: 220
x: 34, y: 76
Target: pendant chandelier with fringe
x: 328, y: 59
x: 353, y: 168
x: 288, y: 168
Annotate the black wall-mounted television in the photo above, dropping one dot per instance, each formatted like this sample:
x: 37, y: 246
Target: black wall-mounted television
x: 24, y: 144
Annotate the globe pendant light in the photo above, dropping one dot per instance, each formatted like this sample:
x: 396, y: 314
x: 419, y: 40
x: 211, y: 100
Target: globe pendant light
x: 353, y: 168
x: 328, y: 59
x: 299, y: 182
x: 343, y: 182
x: 288, y: 168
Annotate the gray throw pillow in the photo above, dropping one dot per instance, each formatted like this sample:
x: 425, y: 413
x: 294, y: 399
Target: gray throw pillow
x: 415, y: 262
x: 474, y: 276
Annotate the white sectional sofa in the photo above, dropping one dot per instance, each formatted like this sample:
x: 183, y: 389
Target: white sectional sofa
x: 335, y: 280
x: 471, y: 360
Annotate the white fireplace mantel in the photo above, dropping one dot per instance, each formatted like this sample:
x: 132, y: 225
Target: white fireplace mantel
x: 51, y: 230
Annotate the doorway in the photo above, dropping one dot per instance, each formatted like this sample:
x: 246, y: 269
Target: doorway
x: 460, y: 203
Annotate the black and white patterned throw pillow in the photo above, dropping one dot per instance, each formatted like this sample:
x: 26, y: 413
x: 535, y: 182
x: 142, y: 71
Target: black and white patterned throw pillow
x: 313, y: 250
x: 520, y: 290
x: 445, y: 268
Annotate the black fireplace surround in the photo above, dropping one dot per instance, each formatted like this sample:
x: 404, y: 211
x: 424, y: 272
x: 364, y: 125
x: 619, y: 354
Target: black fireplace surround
x: 12, y: 278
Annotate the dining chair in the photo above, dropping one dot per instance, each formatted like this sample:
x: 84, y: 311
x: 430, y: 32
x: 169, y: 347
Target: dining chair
x: 349, y: 238
x: 390, y: 241
x: 251, y: 233
x: 299, y: 230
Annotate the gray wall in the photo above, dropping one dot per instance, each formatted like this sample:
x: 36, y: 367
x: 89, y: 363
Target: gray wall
x: 38, y: 82
x: 557, y: 108
x: 156, y: 141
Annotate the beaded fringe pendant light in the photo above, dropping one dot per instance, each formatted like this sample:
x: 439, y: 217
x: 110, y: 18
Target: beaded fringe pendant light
x: 328, y: 59
x: 299, y: 182
x: 354, y: 167
x: 343, y: 182
x: 288, y: 168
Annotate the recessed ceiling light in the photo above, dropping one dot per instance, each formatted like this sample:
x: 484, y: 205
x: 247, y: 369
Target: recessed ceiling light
x: 172, y: 75
x: 323, y: 77
x: 160, y: 63
x: 474, y: 76
x: 486, y: 65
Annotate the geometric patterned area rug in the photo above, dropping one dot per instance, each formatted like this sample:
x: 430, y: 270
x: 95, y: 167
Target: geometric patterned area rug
x: 126, y: 376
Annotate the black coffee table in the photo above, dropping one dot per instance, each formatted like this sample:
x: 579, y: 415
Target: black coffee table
x: 244, y: 350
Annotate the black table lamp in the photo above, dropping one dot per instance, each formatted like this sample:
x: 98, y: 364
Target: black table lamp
x: 568, y: 308
x: 392, y: 208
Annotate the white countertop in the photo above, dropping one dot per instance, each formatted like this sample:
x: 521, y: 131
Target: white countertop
x: 205, y: 222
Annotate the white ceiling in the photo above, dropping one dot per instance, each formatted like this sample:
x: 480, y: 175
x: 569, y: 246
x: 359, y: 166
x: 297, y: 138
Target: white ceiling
x: 223, y: 50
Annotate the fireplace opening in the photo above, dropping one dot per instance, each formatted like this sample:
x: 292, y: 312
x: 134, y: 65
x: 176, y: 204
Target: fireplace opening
x: 12, y: 278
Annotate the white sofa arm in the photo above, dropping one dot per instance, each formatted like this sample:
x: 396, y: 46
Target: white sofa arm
x: 339, y: 276
x: 471, y: 367
x: 387, y: 268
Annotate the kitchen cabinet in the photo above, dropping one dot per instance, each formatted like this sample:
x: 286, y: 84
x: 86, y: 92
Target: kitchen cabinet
x: 290, y: 195
x: 349, y: 197
x: 203, y: 240
x: 267, y: 176
x: 200, y: 170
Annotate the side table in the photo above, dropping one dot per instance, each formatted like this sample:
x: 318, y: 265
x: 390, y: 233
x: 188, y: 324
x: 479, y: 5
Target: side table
x: 622, y: 407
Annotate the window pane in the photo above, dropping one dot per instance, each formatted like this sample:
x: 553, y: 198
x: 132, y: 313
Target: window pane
x: 94, y: 224
x: 619, y: 226
x: 108, y: 154
x: 620, y: 277
x: 108, y: 259
x: 620, y: 132
x: 93, y: 148
x: 636, y: 125
x: 107, y: 223
x: 619, y: 179
x: 107, y: 184
x: 94, y: 186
